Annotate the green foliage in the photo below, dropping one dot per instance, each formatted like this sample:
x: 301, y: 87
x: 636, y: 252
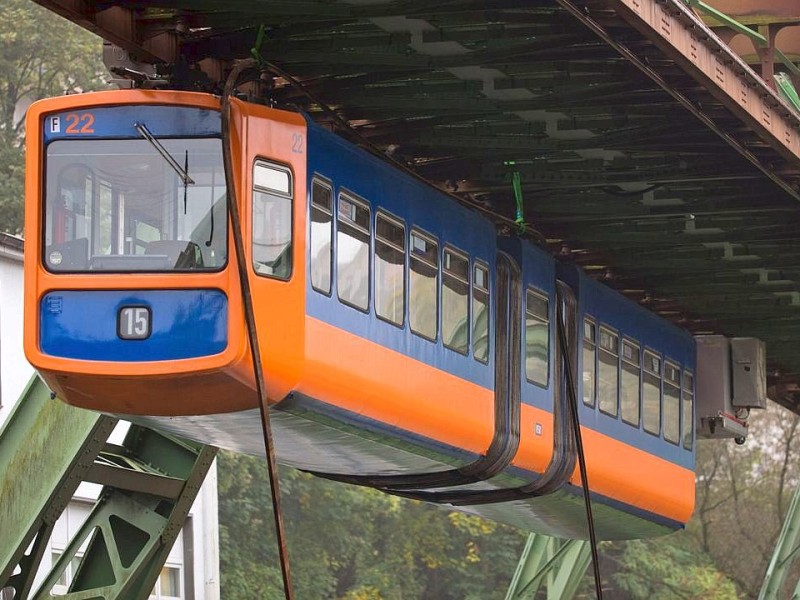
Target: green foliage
x: 668, y: 568
x: 41, y: 55
x: 350, y: 543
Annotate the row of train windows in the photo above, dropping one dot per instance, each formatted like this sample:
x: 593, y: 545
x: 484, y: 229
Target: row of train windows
x: 392, y: 273
x: 640, y: 388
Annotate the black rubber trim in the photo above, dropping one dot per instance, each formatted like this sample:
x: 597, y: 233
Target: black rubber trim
x: 562, y: 461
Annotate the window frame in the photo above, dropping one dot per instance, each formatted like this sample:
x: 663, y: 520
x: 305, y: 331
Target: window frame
x: 262, y: 161
x: 589, y: 320
x: 449, y: 248
x: 480, y: 264
x: 431, y: 239
x: 687, y: 374
x: 600, y: 348
x: 325, y: 183
x: 394, y: 220
x: 638, y: 366
x: 364, y: 203
x: 532, y: 290
x: 660, y: 376
x: 671, y: 364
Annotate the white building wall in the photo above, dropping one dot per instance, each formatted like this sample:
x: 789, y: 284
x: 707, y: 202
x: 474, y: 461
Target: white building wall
x: 15, y: 372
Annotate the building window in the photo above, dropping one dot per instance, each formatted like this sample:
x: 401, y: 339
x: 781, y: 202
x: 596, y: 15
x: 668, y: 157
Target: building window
x: 168, y: 586
x: 390, y: 260
x: 651, y: 393
x: 537, y: 337
x: 589, y: 365
x: 321, y: 236
x: 423, y: 279
x: 631, y: 382
x: 480, y: 313
x: 352, y: 252
x: 608, y: 372
x: 272, y: 220
x: 455, y: 301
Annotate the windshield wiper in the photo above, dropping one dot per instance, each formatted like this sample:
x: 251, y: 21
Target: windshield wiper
x: 145, y: 133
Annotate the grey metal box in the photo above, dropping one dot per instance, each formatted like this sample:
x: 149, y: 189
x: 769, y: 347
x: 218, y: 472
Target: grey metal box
x: 748, y: 367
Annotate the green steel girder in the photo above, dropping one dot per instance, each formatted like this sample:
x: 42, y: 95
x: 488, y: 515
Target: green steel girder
x: 550, y: 564
x: 46, y: 447
x: 784, y: 555
x: 150, y: 482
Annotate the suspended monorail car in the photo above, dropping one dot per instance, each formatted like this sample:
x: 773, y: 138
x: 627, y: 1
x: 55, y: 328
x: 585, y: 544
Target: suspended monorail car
x: 405, y: 345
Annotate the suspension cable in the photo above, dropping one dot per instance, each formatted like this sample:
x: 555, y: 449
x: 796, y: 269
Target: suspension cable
x: 247, y: 302
x: 576, y: 428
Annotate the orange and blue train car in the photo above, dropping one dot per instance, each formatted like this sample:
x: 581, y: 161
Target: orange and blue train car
x: 406, y: 346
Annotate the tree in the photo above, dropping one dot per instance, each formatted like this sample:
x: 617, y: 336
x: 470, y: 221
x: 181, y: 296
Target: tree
x: 41, y: 55
x: 351, y: 543
x: 743, y: 493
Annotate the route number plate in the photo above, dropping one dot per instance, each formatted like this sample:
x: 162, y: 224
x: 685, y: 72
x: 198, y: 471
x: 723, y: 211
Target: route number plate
x: 134, y: 322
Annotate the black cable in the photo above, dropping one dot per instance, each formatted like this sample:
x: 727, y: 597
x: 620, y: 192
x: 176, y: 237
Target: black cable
x: 576, y: 428
x: 247, y: 300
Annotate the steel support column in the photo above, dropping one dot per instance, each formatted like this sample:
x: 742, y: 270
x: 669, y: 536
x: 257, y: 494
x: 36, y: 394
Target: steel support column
x: 552, y: 564
x: 150, y: 482
x: 784, y: 555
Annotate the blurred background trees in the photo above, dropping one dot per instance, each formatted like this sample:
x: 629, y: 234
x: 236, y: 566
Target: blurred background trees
x: 41, y: 55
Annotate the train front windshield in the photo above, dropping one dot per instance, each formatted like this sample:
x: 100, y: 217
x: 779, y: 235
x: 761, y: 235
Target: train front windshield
x: 135, y: 205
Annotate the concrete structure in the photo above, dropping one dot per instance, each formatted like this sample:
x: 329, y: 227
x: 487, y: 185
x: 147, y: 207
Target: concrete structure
x: 192, y: 570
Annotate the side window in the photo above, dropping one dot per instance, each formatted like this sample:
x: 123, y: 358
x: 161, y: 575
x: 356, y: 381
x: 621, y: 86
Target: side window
x: 672, y: 403
x: 455, y: 301
x: 352, y: 252
x: 480, y: 313
x: 321, y: 236
x: 688, y: 409
x: 589, y: 366
x: 423, y: 281
x: 631, y: 382
x: 390, y: 262
x: 537, y: 337
x: 272, y: 220
x: 608, y: 372
x: 651, y: 393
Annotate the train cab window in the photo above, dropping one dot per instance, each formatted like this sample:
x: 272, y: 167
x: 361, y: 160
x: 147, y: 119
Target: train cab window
x: 651, y: 393
x: 608, y: 372
x: 272, y: 220
x: 589, y: 365
x: 321, y: 235
x: 480, y: 313
x: 455, y: 301
x: 537, y: 337
x: 390, y: 262
x: 631, y: 382
x: 352, y: 252
x: 121, y: 206
x: 687, y: 417
x: 672, y: 403
x: 423, y: 280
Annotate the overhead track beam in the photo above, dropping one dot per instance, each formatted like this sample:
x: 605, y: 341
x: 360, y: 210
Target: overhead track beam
x: 121, y: 26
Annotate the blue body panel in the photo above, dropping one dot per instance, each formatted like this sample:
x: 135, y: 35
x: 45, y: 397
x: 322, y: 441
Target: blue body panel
x: 83, y: 324
x: 538, y: 270
x: 118, y: 122
x: 419, y: 205
x: 608, y: 307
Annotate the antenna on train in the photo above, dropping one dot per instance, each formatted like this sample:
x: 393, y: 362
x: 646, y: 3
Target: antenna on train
x: 516, y: 183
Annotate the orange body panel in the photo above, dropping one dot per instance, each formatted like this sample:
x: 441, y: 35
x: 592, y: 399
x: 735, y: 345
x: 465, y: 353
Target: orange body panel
x: 270, y: 137
x: 412, y: 396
